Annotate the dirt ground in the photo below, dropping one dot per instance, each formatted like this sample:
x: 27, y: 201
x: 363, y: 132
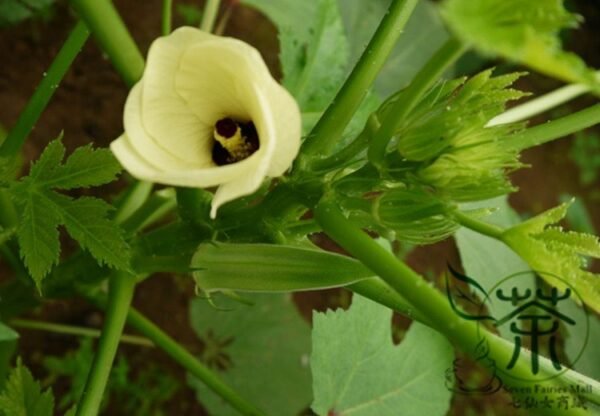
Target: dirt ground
x: 88, y: 108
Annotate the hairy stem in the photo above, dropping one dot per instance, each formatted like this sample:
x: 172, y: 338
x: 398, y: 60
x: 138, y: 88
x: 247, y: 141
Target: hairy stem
x: 381, y: 293
x: 45, y: 90
x: 427, y: 76
x: 339, y: 113
x: 427, y: 300
x: 120, y: 293
x: 108, y: 28
x: 555, y: 129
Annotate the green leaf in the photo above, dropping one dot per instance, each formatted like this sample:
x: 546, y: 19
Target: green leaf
x: 7, y: 333
x: 547, y: 248
x: 488, y: 260
x: 75, y: 365
x: 585, y: 152
x: 48, y: 162
x: 261, y: 351
x: 358, y: 370
x: 37, y: 234
x: 525, y: 32
x: 586, y: 361
x: 314, y: 50
x: 272, y: 268
x: 413, y: 50
x: 86, y: 219
x: 8, y: 344
x: 15, y: 11
x: 23, y: 396
x: 85, y: 167
x: 578, y: 216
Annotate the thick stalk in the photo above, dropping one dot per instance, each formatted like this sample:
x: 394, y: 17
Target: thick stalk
x: 381, y: 293
x: 45, y: 90
x: 121, y: 287
x: 555, y: 129
x: 339, y: 113
x: 108, y: 28
x: 427, y: 300
x: 423, y: 81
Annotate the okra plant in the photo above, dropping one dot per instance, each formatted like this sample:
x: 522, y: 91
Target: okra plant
x: 373, y: 139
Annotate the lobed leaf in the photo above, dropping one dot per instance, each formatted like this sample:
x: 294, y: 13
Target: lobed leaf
x: 525, y: 32
x: 23, y: 396
x: 86, y: 220
x: 37, y: 234
x: 260, y: 350
x: 85, y: 167
x: 554, y: 253
x: 358, y: 370
x: 15, y: 11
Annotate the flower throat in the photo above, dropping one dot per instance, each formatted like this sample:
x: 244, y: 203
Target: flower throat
x: 233, y: 141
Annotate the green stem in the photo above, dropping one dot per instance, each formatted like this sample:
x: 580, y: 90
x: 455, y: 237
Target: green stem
x: 132, y: 200
x: 211, y: 10
x: 423, y: 81
x: 555, y: 129
x: 45, y: 90
x: 121, y: 288
x: 481, y: 227
x: 426, y: 300
x: 172, y: 348
x: 381, y: 293
x: 345, y: 155
x: 541, y: 104
x: 108, y: 28
x: 167, y: 8
x: 339, y: 113
x: 75, y: 330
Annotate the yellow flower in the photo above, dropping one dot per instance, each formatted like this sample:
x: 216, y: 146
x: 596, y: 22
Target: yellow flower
x: 208, y: 113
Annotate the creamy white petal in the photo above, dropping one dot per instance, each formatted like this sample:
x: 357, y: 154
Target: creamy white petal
x: 132, y: 160
x: 239, y: 65
x: 288, y: 129
x: 211, y: 90
x: 140, y: 137
x: 166, y: 116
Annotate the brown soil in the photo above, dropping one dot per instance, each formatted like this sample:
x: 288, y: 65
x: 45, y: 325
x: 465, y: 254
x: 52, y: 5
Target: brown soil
x: 88, y: 108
